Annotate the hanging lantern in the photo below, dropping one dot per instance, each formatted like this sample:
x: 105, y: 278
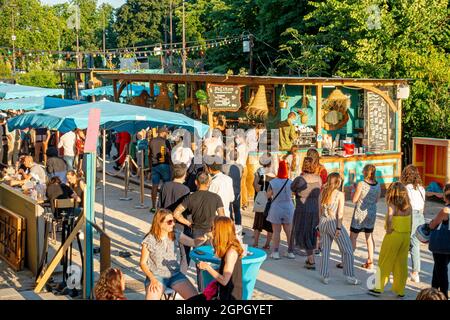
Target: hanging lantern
x: 246, y: 45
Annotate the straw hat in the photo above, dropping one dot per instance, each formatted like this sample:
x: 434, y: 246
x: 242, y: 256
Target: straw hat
x: 265, y: 159
x: 337, y: 101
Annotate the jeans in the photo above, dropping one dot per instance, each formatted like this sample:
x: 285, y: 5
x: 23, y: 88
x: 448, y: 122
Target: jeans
x: 69, y: 160
x: 235, y: 210
x: 417, y: 220
x: 440, y: 272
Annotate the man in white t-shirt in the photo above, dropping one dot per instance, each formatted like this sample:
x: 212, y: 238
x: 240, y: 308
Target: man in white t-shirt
x: 182, y: 153
x: 221, y: 184
x: 67, y: 141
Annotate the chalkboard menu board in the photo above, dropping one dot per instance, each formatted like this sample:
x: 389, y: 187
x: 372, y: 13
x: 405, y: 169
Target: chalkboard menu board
x: 376, y: 122
x: 224, y: 98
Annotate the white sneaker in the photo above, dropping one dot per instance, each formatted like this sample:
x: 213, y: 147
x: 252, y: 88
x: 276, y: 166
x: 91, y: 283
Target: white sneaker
x: 326, y: 280
x: 415, y: 277
x: 275, y: 255
x: 353, y: 281
x: 290, y: 255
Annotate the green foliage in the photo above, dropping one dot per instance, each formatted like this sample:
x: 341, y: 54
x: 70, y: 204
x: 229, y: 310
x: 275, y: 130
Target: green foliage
x: 39, y: 78
x: 139, y: 22
x: 202, y: 96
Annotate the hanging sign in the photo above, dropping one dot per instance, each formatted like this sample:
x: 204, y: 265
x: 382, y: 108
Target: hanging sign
x: 224, y: 98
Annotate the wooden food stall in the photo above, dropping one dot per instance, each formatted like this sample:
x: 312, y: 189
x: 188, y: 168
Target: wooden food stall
x: 432, y: 157
x: 21, y: 229
x: 364, y: 113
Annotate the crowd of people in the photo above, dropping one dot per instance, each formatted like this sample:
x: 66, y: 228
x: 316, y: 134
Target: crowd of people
x: 301, y: 199
x: 200, y: 202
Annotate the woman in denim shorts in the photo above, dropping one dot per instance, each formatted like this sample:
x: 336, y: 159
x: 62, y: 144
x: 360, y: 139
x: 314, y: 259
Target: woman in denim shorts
x: 160, y: 258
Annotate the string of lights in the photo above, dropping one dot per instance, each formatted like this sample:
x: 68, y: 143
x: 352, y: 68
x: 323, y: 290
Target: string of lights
x: 138, y: 51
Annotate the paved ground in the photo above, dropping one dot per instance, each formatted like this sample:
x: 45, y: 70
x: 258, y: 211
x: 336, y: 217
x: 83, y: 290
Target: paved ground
x: 283, y: 279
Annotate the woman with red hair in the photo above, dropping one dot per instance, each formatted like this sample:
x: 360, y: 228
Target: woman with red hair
x: 228, y: 248
x: 111, y: 285
x: 281, y: 212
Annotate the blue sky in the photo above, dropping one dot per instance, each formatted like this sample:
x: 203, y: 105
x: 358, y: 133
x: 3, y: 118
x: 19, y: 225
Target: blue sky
x: 114, y: 3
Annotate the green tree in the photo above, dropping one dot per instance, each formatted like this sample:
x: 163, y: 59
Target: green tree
x: 35, y: 25
x: 140, y: 22
x: 389, y: 39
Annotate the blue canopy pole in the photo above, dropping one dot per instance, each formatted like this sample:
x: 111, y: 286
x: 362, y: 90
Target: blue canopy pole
x: 89, y: 216
x: 90, y: 152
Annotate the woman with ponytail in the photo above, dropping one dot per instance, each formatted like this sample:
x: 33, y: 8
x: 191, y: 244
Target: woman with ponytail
x: 365, y: 199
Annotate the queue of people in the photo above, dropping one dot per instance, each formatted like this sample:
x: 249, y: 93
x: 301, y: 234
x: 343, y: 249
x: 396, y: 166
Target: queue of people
x: 202, y: 203
x: 301, y: 199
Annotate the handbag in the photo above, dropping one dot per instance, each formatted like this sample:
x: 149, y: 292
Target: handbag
x: 261, y: 198
x: 211, y: 291
x: 440, y: 239
x: 269, y: 201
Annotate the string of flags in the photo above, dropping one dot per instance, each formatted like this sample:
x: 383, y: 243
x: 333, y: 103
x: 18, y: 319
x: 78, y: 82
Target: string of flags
x: 137, y: 51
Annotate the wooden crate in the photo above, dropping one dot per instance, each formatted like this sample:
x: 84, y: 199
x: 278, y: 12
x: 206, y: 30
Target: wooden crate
x: 12, y: 238
x: 432, y: 158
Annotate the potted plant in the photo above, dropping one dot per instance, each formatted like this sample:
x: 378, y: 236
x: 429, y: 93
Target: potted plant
x: 283, y: 100
x: 202, y: 97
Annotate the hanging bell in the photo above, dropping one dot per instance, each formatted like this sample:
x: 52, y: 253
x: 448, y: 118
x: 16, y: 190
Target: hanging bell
x: 257, y: 107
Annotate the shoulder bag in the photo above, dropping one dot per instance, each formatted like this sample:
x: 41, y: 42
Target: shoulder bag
x: 270, y: 201
x: 440, y: 239
x: 261, y: 198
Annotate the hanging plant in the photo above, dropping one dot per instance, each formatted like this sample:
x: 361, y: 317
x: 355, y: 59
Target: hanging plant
x: 202, y: 97
x: 303, y: 113
x: 283, y: 100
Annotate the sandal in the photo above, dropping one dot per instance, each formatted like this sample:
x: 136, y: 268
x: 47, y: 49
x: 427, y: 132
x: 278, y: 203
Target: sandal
x: 340, y: 265
x: 367, y: 265
x: 309, y: 265
x: 266, y: 247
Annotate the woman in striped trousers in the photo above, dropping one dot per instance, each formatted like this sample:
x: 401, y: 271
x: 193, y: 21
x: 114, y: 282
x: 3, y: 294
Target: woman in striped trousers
x: 332, y: 204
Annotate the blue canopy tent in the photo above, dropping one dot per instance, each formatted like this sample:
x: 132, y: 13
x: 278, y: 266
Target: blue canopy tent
x: 14, y: 91
x: 36, y: 103
x: 130, y: 90
x: 118, y: 116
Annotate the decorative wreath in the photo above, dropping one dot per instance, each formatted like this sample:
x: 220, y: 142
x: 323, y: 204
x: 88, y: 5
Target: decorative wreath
x: 336, y: 110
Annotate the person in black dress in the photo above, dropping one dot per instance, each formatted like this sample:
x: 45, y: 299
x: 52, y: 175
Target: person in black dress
x: 228, y: 248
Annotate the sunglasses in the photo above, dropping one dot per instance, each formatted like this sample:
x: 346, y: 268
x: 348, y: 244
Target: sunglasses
x: 169, y: 222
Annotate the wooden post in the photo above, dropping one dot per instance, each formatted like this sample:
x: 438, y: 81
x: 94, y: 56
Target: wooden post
x: 210, y: 113
x: 210, y: 118
x: 116, y: 95
x: 399, y: 125
x: 76, y: 86
x: 319, y: 113
x: 152, y: 93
